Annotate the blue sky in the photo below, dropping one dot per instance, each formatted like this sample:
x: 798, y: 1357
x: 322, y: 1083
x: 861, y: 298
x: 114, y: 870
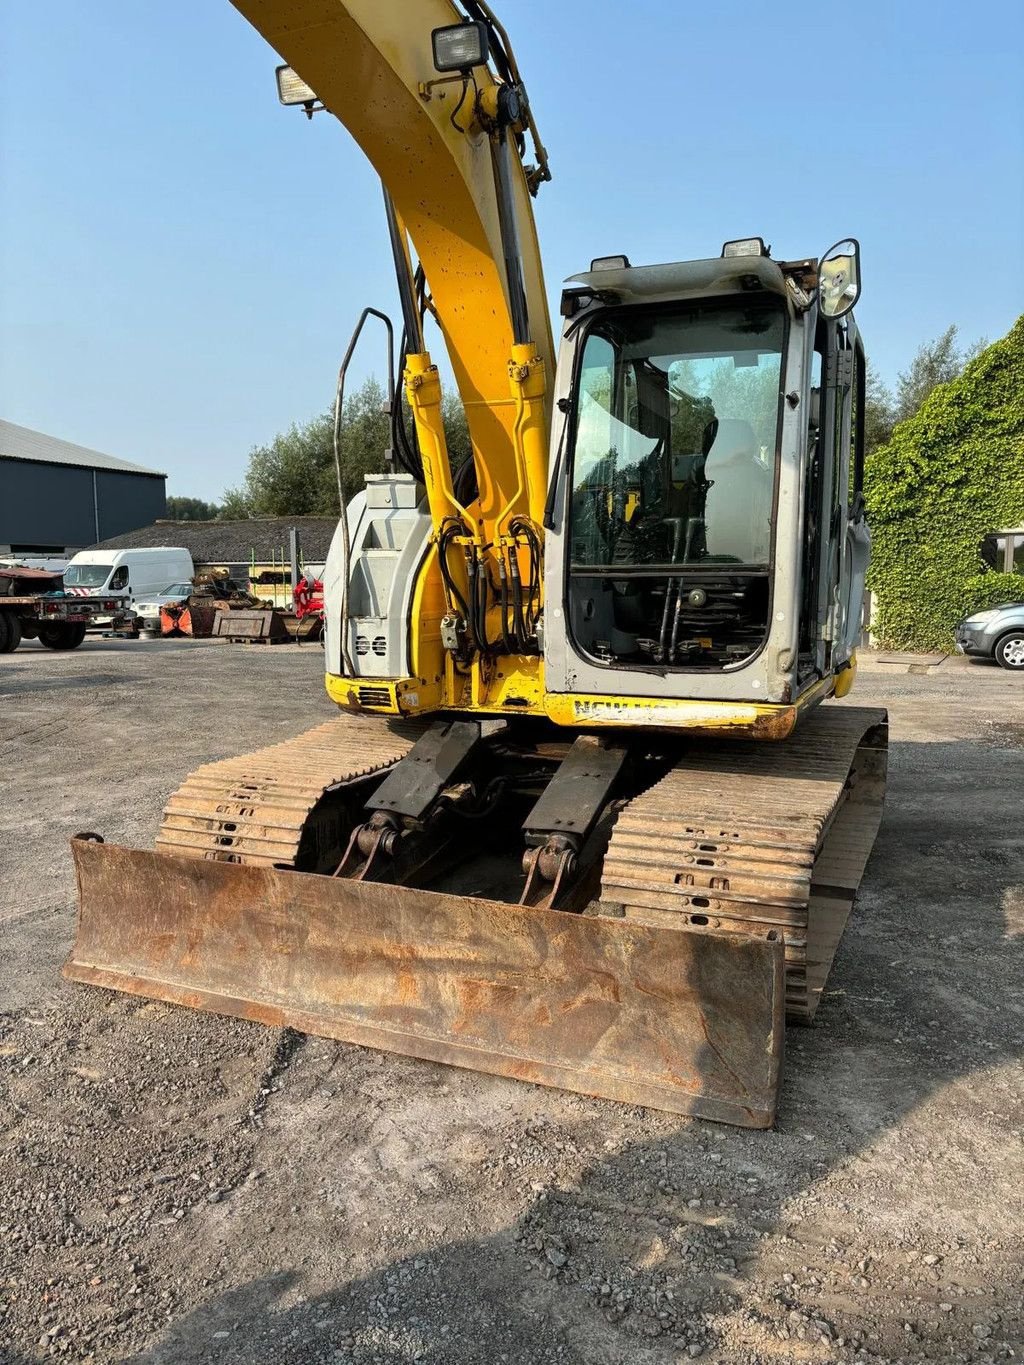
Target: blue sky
x: 182, y: 261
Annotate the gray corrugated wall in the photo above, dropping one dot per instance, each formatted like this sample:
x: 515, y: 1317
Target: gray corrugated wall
x: 48, y: 504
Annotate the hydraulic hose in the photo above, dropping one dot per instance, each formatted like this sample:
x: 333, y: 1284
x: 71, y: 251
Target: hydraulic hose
x: 406, y: 453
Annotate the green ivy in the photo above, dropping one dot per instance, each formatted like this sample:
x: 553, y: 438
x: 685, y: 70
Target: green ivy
x: 951, y: 474
x: 994, y: 589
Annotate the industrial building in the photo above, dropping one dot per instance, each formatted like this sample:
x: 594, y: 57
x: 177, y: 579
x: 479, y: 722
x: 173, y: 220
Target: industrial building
x: 57, y: 497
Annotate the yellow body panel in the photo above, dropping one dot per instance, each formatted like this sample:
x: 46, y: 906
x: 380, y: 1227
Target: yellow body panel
x: 423, y: 388
x: 517, y: 688
x: 846, y: 677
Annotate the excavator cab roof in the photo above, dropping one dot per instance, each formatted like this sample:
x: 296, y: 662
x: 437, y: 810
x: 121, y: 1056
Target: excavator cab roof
x: 651, y: 283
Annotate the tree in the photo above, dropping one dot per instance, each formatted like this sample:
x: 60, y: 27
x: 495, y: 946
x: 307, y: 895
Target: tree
x: 456, y: 428
x: 749, y: 393
x: 286, y: 477
x: 191, y: 509
x: 234, y: 505
x: 936, y: 362
x: 879, y: 411
x: 364, y: 437
x: 295, y: 474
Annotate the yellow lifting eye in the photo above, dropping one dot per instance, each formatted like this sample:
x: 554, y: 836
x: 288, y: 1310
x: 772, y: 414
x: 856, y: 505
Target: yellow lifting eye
x: 631, y: 507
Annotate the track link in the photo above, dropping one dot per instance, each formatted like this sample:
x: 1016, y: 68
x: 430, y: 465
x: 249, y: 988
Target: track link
x: 261, y: 808
x: 739, y: 836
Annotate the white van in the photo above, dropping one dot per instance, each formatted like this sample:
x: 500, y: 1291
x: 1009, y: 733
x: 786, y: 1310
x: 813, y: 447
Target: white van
x: 131, y: 574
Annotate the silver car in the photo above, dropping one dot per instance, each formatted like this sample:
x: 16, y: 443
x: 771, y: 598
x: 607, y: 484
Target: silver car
x: 997, y: 633
x: 147, y: 612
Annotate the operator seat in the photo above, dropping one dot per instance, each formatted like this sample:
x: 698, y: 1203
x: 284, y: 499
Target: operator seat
x: 737, y: 515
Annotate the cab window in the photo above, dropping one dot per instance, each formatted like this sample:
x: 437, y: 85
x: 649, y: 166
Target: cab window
x: 120, y: 578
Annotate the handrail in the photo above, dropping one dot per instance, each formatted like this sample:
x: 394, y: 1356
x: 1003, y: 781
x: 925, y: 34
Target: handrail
x: 339, y: 399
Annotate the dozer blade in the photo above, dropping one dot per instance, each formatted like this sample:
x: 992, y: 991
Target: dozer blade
x: 666, y: 1017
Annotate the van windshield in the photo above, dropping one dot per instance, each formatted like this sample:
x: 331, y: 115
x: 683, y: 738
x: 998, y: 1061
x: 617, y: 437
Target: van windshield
x: 86, y: 575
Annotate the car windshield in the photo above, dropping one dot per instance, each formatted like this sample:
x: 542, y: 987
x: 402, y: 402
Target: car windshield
x: 86, y: 575
x: 177, y: 590
x: 675, y: 444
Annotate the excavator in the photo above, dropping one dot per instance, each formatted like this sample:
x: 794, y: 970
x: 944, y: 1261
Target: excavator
x: 588, y: 815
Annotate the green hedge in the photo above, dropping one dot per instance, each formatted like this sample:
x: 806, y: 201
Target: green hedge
x: 952, y: 474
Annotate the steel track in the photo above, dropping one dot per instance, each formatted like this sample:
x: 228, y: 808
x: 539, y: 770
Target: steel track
x: 739, y: 835
x: 261, y: 808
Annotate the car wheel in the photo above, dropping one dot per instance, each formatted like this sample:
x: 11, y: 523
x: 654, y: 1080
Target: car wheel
x: 1010, y: 651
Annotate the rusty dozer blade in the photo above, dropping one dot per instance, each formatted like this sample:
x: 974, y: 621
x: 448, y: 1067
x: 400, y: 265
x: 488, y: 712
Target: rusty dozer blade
x: 666, y: 1017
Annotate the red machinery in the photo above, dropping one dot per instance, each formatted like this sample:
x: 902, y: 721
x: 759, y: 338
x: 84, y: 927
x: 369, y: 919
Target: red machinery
x: 308, y: 595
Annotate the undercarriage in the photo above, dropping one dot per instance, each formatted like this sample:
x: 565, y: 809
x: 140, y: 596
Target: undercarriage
x: 628, y: 918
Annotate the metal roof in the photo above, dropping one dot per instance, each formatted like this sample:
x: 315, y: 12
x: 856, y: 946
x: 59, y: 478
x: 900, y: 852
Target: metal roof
x: 22, y: 443
x: 232, y: 542
x: 22, y: 572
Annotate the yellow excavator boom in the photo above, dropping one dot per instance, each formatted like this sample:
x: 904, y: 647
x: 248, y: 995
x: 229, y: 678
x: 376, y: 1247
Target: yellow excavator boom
x: 370, y: 63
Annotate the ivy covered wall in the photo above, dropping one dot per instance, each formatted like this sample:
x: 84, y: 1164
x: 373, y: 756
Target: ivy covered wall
x: 951, y: 474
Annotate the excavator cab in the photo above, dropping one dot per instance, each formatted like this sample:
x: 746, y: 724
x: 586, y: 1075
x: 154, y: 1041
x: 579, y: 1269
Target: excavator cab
x: 690, y: 449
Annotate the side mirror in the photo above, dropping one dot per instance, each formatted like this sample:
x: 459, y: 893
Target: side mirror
x: 839, y: 279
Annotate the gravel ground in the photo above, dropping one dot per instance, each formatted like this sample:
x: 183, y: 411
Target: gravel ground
x: 176, y: 1187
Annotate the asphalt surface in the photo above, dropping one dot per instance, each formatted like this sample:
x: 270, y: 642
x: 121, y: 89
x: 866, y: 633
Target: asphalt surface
x: 176, y: 1187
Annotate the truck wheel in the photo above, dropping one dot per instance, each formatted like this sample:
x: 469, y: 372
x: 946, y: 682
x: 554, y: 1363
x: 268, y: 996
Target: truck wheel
x: 62, y: 635
x: 1010, y: 651
x: 10, y: 632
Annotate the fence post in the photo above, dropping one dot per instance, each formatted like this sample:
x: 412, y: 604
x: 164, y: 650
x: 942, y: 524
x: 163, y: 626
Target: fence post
x: 293, y: 547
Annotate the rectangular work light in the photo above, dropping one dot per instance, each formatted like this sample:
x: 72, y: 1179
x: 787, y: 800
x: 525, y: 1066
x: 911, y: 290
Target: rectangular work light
x: 745, y: 246
x: 291, y: 88
x: 457, y: 47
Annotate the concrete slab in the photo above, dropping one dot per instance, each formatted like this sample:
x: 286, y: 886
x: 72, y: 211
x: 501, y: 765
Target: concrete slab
x: 907, y: 658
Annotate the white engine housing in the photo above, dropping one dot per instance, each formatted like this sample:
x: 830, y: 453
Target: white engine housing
x: 389, y: 531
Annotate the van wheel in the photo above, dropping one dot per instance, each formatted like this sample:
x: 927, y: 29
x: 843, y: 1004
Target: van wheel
x: 1010, y: 651
x: 10, y: 638
x: 62, y: 635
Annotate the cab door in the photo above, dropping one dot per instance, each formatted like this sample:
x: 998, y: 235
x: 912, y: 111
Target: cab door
x: 838, y: 545
x: 857, y: 545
